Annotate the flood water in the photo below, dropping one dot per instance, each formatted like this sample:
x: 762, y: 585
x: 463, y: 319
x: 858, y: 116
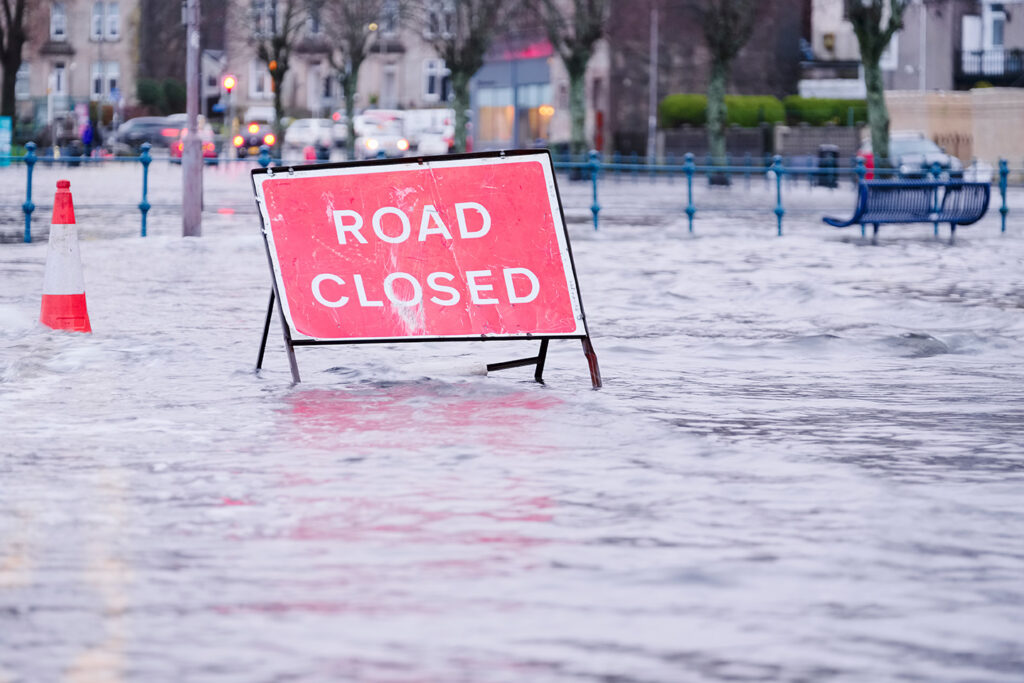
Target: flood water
x: 806, y: 464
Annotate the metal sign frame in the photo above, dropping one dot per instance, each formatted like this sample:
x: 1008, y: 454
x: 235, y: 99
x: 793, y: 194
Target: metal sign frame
x: 293, y: 338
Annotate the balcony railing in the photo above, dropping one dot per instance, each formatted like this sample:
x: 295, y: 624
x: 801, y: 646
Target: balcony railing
x: 998, y: 67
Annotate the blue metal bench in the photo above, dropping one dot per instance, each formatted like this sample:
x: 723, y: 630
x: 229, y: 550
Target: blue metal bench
x: 916, y: 201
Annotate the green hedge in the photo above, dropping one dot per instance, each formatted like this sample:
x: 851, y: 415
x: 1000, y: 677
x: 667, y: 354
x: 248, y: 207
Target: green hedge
x: 742, y: 110
x: 752, y: 110
x: 817, y: 111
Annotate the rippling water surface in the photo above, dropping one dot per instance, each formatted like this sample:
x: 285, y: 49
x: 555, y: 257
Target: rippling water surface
x: 806, y: 465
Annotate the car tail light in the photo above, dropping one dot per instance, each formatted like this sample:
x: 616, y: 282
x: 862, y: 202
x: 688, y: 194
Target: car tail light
x: 336, y: 116
x: 238, y: 141
x: 269, y: 139
x: 403, y: 144
x: 254, y: 128
x: 208, y: 147
x: 170, y: 132
x: 180, y: 146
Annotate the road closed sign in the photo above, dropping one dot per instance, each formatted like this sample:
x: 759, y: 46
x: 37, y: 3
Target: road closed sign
x: 436, y: 248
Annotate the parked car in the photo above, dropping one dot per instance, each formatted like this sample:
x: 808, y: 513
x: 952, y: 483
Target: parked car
x: 434, y: 142
x: 315, y: 133
x: 247, y: 141
x: 377, y: 132
x: 207, y: 137
x: 158, y: 131
x: 912, y: 155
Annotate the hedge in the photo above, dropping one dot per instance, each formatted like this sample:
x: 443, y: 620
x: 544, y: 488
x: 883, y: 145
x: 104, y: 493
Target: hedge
x: 742, y: 110
x: 752, y: 110
x: 818, y: 111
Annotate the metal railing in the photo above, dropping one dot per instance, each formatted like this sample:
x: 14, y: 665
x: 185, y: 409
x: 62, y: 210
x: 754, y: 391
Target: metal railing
x: 777, y: 175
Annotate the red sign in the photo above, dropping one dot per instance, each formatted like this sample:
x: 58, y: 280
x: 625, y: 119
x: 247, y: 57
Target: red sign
x: 435, y: 248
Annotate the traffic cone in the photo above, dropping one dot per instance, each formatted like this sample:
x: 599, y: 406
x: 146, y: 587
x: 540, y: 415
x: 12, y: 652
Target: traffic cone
x: 64, y: 284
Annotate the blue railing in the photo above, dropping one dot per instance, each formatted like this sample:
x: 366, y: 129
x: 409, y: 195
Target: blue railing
x: 776, y: 174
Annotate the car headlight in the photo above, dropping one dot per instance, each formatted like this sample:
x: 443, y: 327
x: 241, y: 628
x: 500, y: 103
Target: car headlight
x: 372, y: 143
x: 402, y: 144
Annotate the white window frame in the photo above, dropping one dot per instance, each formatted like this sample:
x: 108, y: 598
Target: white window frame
x: 436, y: 69
x: 96, y: 22
x: 96, y: 81
x: 112, y: 77
x: 113, y: 22
x: 59, y: 71
x: 262, y: 15
x: 260, y: 84
x: 23, y: 82
x: 440, y: 12
x: 58, y: 21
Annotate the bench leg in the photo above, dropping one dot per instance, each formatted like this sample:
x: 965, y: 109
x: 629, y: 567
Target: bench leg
x: 952, y: 232
x: 874, y: 234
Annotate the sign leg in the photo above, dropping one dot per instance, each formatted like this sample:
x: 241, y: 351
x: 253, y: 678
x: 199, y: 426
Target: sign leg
x: 542, y: 355
x: 595, y: 372
x: 266, y: 330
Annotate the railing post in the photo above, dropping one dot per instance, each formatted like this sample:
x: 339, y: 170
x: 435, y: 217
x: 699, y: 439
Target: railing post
x: 264, y: 157
x: 1004, y: 173
x: 935, y: 171
x: 746, y: 168
x: 28, y: 207
x: 861, y: 171
x: 779, y: 211
x: 595, y: 168
x: 688, y: 168
x: 634, y: 161
x: 144, y: 205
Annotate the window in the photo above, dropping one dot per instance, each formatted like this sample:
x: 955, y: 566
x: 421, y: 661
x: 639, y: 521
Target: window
x: 440, y: 17
x: 260, y: 85
x: 314, y: 24
x: 22, y: 82
x: 436, y: 79
x: 103, y: 81
x: 106, y: 21
x: 262, y: 12
x: 58, y: 22
x: 389, y: 16
x: 113, y: 20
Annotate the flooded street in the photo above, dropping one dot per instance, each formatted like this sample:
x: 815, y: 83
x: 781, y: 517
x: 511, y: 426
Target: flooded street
x: 806, y: 463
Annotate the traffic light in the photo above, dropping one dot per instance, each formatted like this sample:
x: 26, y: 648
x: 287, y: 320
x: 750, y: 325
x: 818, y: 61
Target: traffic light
x: 229, y: 83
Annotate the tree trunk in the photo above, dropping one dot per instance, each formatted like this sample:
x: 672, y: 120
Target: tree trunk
x: 278, y: 109
x: 349, y: 86
x: 716, y: 111
x: 7, y: 99
x: 878, y: 113
x: 578, y: 111
x: 460, y: 87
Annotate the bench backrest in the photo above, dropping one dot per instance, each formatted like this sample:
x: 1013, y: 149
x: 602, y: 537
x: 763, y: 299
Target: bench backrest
x: 897, y: 201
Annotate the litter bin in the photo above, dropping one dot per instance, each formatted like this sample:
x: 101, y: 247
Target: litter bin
x: 828, y: 162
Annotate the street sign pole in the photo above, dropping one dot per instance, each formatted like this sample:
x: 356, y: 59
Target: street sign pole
x: 191, y: 161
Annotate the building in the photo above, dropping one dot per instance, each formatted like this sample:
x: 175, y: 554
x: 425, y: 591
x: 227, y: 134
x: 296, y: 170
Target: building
x: 80, y: 56
x: 943, y: 45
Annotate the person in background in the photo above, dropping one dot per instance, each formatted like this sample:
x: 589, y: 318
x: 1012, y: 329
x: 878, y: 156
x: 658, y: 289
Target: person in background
x: 87, y: 138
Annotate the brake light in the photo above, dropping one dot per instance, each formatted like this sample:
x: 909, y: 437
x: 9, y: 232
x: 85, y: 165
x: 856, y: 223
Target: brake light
x: 180, y: 146
x: 170, y: 132
x: 208, y: 147
x: 336, y: 116
x: 238, y: 141
x: 269, y: 139
x: 254, y: 128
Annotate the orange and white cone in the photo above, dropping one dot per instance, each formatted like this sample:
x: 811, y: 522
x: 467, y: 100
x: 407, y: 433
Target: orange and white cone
x: 64, y: 283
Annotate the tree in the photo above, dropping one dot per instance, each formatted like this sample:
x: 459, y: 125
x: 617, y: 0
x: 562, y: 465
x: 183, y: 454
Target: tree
x: 12, y: 38
x: 727, y: 26
x: 874, y: 23
x: 276, y: 26
x: 461, y: 32
x: 349, y: 25
x: 573, y: 34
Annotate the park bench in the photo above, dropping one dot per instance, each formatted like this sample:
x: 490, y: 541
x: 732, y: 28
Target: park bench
x: 916, y: 201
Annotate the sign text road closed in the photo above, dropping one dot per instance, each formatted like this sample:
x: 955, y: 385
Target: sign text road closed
x: 443, y: 248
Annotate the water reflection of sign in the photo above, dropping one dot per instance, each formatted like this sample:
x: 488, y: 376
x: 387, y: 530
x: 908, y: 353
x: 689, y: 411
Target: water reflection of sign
x: 6, y: 135
x: 439, y: 248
